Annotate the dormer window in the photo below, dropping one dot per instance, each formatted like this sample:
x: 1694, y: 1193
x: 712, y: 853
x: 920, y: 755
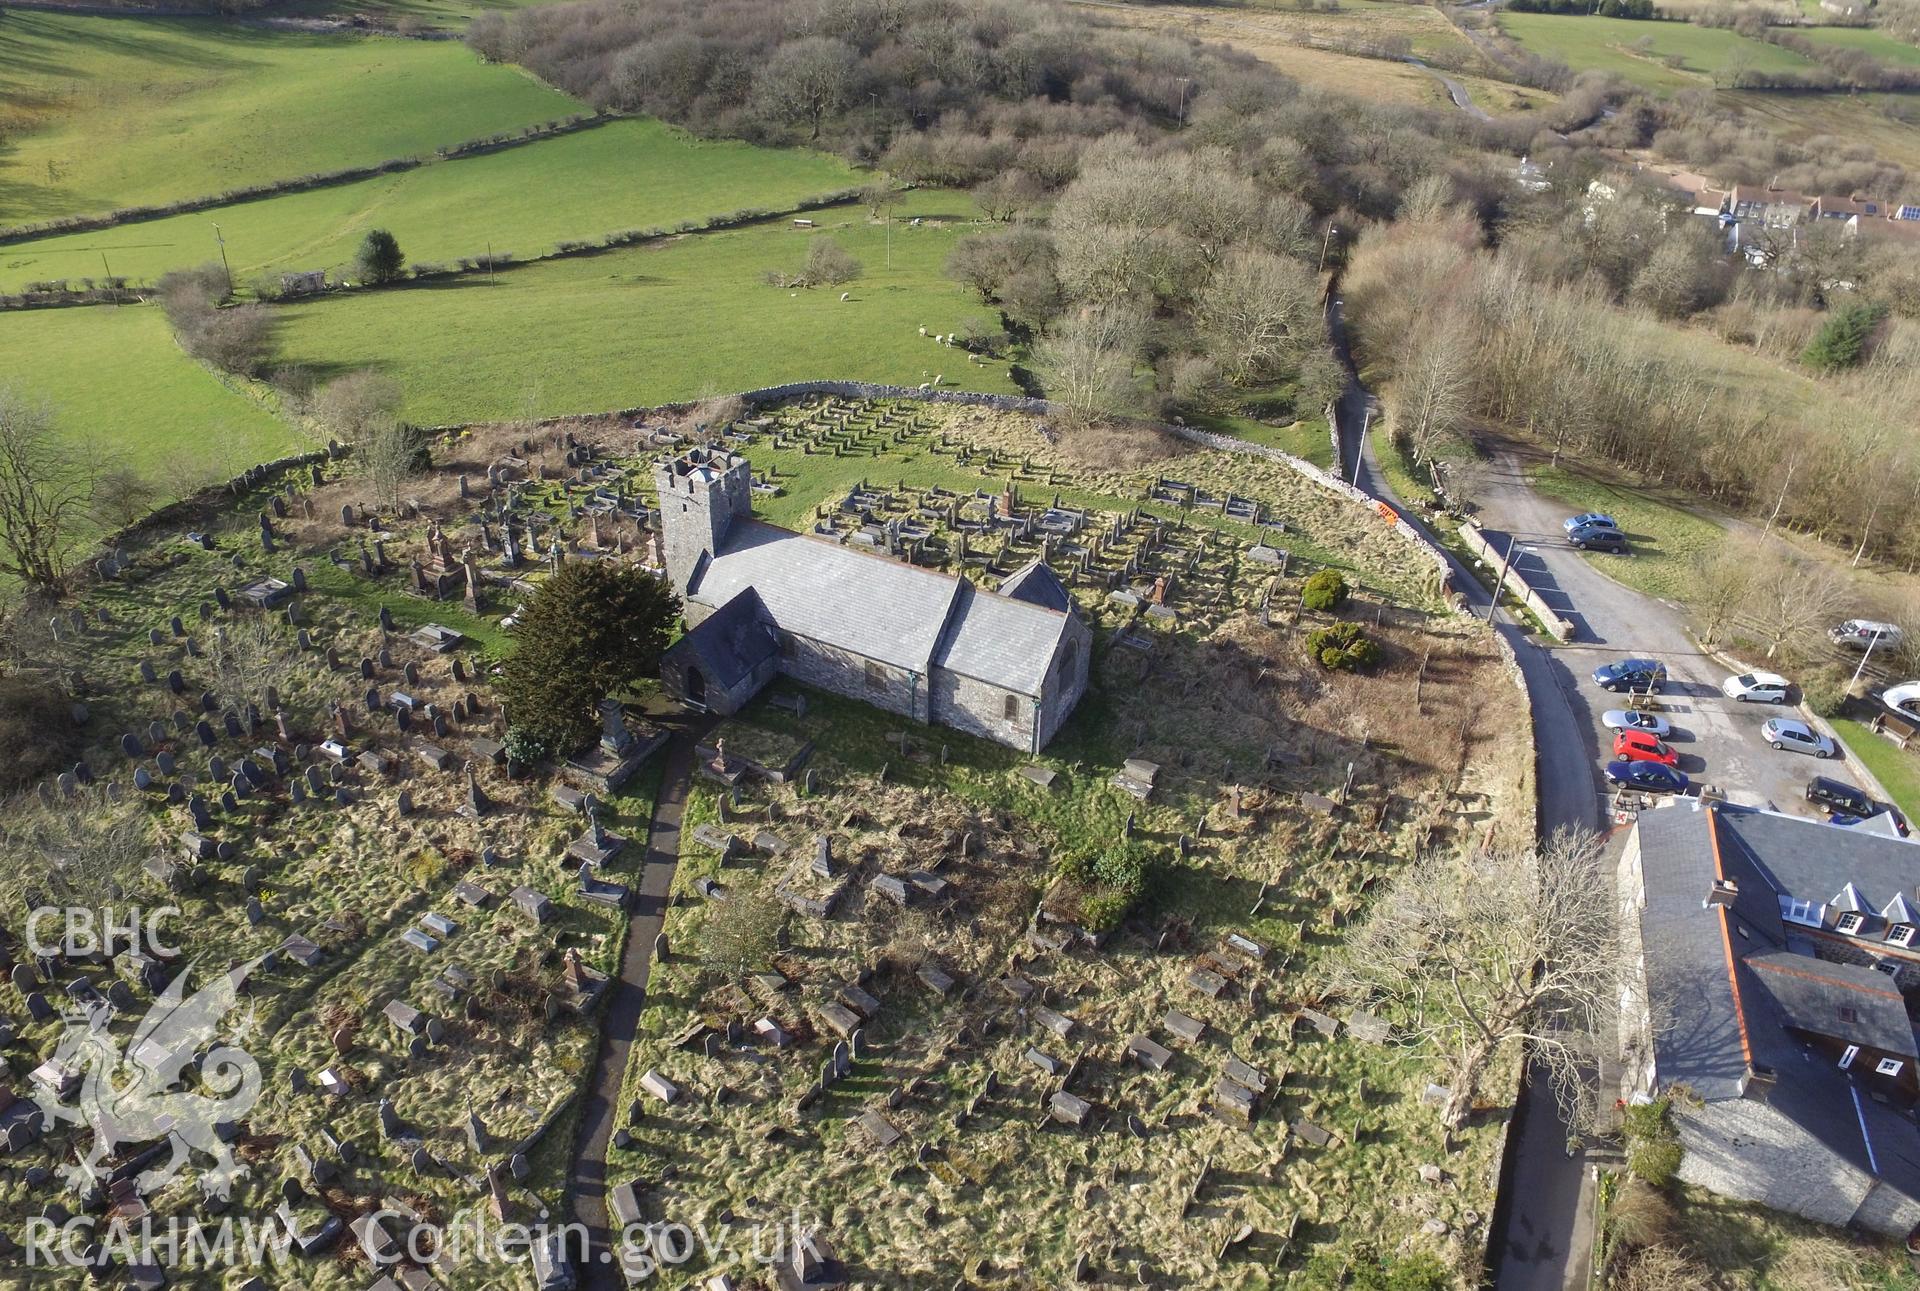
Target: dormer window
x: 1901, y: 934
x: 1846, y: 1058
x: 1799, y: 911
x: 1850, y: 922
x: 1889, y: 1066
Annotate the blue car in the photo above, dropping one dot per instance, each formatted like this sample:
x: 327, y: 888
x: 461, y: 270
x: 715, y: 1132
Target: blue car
x: 1632, y: 674
x: 1648, y: 777
x: 1590, y: 520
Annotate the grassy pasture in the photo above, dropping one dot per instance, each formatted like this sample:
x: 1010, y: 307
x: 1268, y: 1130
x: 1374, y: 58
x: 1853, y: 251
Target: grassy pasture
x: 625, y: 174
x: 653, y: 324
x: 123, y: 391
x: 1853, y: 118
x: 1607, y: 44
x: 105, y: 112
x: 1881, y: 46
x: 1260, y: 28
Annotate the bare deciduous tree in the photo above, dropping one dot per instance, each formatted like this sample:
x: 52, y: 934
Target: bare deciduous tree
x: 807, y: 80
x: 83, y: 850
x: 1795, y: 600
x: 1434, y: 389
x: 1256, y: 312
x: 247, y: 658
x: 1724, y: 577
x: 388, y: 453
x: 1086, y: 362
x: 1484, y: 954
x: 45, y: 489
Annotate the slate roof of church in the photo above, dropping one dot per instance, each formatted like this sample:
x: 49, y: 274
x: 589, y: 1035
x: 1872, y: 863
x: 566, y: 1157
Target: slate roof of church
x: 883, y: 609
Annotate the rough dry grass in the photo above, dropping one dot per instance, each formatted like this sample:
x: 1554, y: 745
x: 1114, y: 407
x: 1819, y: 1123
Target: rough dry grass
x: 1003, y: 1196
x: 352, y: 879
x: 1750, y: 1247
x: 103, y: 112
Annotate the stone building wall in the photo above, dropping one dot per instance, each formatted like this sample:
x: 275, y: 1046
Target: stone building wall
x: 897, y: 690
x: 977, y: 708
x: 1888, y: 1213
x: 1067, y: 678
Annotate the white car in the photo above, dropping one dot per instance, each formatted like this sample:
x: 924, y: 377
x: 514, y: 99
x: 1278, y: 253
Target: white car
x: 1785, y: 733
x: 1756, y: 688
x: 1619, y: 719
x: 1904, y: 698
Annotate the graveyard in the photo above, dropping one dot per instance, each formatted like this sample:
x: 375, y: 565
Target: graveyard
x: 899, y: 988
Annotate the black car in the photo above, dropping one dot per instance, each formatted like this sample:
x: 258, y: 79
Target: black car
x: 1598, y: 538
x: 1839, y: 797
x: 1632, y: 674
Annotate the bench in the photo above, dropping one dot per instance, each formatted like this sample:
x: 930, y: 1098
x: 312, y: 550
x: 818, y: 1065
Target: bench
x: 1894, y: 728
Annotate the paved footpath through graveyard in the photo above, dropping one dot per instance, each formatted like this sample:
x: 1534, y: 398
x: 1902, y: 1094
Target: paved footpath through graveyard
x: 601, y: 1110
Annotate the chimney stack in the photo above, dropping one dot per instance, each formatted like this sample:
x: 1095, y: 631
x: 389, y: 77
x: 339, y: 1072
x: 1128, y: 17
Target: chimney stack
x: 1722, y: 893
x: 1757, y: 1084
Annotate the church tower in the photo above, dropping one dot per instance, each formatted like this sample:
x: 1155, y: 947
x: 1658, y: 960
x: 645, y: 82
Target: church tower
x: 702, y: 493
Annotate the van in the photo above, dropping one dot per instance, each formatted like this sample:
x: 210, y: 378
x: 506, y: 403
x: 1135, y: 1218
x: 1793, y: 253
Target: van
x: 1862, y: 633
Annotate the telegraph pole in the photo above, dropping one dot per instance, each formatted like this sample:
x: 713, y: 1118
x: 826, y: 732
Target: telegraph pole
x: 1493, y: 602
x: 224, y: 266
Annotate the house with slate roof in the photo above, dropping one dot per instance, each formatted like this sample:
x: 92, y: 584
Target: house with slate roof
x: 761, y: 601
x: 1777, y: 962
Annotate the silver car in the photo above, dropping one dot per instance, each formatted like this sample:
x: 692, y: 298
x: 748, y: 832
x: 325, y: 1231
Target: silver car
x: 1620, y: 719
x: 1785, y: 733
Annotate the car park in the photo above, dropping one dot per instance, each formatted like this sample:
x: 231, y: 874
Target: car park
x: 1597, y: 538
x: 1641, y: 746
x: 1632, y: 674
x: 1648, y: 777
x: 1786, y: 733
x: 1838, y: 797
x: 1860, y: 634
x: 1621, y: 719
x: 1589, y: 520
x: 1757, y: 688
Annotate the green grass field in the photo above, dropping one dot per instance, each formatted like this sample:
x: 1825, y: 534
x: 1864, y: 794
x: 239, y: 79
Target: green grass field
x: 625, y: 174
x: 1609, y: 45
x: 646, y: 325
x: 1881, y: 46
x: 1897, y: 769
x: 1665, y: 538
x: 123, y: 393
x: 105, y: 112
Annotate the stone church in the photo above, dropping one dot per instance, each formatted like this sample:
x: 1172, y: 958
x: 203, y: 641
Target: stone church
x: 763, y: 601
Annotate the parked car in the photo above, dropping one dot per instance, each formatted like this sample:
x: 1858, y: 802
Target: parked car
x: 1861, y: 633
x: 1640, y: 746
x: 1904, y: 698
x: 1597, y: 537
x: 1785, y: 733
x: 1632, y: 674
x: 1648, y: 777
x: 1838, y: 797
x: 1757, y: 688
x: 1620, y: 719
x: 1589, y: 520
x: 1892, y: 813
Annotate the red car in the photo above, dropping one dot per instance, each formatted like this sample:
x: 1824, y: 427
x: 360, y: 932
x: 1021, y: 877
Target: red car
x: 1643, y: 746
